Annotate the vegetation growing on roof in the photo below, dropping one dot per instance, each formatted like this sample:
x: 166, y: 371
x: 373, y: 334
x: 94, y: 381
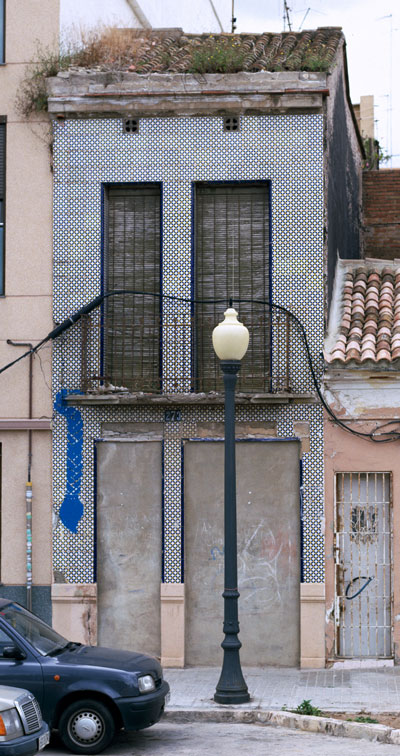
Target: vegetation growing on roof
x: 217, y: 55
x: 374, y: 154
x: 32, y: 95
x: 171, y: 51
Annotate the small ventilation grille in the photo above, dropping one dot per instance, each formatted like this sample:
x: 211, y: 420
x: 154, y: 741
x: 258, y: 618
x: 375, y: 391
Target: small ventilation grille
x: 231, y: 123
x: 131, y: 125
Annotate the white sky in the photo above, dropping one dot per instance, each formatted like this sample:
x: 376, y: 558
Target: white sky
x: 194, y: 17
x: 373, y: 49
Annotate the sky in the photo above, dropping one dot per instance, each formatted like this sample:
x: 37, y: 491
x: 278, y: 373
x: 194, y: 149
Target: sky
x: 372, y: 31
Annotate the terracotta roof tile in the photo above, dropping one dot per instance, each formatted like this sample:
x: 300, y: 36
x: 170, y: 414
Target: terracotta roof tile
x: 173, y: 51
x: 369, y: 329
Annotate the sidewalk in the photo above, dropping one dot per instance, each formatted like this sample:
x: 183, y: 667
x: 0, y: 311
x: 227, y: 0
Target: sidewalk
x: 374, y: 689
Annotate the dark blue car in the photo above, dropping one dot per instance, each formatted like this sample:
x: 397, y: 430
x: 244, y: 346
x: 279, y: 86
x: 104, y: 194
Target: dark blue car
x: 86, y: 693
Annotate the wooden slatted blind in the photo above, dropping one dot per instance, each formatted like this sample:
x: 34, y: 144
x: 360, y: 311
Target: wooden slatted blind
x: 232, y: 260
x: 132, y: 323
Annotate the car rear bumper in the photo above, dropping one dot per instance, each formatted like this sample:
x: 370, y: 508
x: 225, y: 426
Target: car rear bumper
x: 143, y: 710
x: 26, y: 745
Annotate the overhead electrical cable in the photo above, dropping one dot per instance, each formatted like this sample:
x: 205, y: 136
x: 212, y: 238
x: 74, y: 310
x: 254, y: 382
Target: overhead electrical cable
x: 378, y: 435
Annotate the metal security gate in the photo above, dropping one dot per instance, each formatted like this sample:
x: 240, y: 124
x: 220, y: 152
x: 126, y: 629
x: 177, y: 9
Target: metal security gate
x: 363, y: 536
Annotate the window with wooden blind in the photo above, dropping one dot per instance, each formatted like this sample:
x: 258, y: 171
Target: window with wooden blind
x: 232, y: 259
x: 2, y: 201
x: 133, y: 261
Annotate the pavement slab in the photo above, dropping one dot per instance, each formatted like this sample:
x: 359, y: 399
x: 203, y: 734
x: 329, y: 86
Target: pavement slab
x: 372, y: 689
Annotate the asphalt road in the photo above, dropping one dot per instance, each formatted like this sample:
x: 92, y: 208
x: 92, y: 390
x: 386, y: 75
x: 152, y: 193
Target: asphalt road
x: 172, y: 739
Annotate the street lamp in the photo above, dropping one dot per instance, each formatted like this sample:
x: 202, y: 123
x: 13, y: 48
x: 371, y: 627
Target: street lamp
x: 230, y: 342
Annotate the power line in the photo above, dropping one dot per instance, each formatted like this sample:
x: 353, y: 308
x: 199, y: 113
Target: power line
x: 378, y: 436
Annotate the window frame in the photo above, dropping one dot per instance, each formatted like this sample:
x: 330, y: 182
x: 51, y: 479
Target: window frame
x: 267, y: 185
x: 106, y: 188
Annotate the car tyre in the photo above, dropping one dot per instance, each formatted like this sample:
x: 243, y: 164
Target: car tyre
x: 87, y: 726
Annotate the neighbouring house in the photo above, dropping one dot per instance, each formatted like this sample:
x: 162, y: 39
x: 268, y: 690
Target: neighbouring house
x: 204, y: 168
x: 361, y: 385
x: 381, y: 214
x: 25, y: 312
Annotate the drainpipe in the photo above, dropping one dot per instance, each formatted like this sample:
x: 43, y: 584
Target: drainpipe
x: 28, y: 489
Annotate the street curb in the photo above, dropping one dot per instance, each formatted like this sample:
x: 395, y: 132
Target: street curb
x: 374, y: 732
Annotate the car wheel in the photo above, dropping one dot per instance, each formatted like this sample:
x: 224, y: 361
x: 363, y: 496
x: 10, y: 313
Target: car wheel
x: 86, y: 726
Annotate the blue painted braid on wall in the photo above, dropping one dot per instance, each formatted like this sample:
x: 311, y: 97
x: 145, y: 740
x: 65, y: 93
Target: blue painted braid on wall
x: 71, y: 509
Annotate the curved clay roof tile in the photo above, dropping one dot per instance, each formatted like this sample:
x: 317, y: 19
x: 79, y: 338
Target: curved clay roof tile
x: 383, y: 354
x: 353, y: 354
x: 368, y: 354
x: 337, y: 355
x: 353, y: 345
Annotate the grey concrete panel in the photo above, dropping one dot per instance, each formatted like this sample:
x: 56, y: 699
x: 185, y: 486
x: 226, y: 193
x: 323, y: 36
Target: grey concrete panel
x: 129, y: 545
x: 268, y: 551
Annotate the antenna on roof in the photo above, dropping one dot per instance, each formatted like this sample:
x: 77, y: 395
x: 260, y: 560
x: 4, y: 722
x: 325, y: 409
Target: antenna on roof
x: 233, y: 18
x: 286, y: 16
x: 304, y: 18
x: 389, y: 125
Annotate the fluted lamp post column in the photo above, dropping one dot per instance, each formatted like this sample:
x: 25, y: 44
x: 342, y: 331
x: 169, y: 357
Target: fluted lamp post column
x: 230, y: 342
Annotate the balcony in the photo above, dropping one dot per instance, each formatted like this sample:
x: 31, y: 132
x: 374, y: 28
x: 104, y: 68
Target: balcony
x: 142, y: 355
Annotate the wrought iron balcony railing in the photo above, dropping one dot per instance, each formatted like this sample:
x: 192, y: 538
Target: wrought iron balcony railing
x: 172, y: 353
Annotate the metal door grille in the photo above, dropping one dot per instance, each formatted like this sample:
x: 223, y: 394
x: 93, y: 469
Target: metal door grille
x: 363, y: 535
x: 232, y: 260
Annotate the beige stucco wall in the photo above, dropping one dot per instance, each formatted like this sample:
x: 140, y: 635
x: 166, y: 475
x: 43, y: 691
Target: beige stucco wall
x: 312, y: 625
x: 25, y: 310
x: 75, y: 611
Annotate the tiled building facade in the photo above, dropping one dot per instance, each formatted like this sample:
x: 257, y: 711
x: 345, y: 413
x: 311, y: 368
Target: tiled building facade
x: 280, y: 152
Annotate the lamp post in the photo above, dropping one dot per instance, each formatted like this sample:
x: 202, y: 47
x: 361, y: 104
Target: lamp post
x: 230, y: 342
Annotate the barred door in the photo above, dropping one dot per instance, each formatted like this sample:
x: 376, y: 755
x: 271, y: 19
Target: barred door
x: 363, y: 565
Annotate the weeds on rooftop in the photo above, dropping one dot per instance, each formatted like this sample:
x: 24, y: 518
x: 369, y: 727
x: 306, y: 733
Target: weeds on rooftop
x: 32, y: 93
x: 110, y: 48
x: 217, y: 55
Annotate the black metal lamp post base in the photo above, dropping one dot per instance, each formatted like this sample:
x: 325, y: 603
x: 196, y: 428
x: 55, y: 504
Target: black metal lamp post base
x: 231, y: 698
x: 232, y: 691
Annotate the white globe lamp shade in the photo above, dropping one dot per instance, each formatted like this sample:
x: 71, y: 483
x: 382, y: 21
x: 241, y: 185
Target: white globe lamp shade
x: 230, y: 338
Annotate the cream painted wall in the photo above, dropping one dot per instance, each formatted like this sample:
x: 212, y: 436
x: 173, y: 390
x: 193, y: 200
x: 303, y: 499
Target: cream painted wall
x: 14, y: 456
x: 25, y: 310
